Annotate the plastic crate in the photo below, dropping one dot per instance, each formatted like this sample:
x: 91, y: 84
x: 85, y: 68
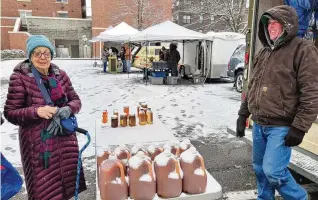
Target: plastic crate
x: 172, y: 80
x: 158, y: 74
x: 156, y: 80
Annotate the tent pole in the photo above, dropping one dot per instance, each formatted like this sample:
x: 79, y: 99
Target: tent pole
x: 146, y: 71
x: 100, y: 51
x: 183, y: 52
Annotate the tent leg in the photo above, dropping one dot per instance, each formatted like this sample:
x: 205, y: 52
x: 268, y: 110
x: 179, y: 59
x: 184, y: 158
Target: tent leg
x: 100, y: 52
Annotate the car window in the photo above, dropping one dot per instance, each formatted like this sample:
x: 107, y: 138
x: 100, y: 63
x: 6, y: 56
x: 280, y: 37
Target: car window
x: 239, y: 52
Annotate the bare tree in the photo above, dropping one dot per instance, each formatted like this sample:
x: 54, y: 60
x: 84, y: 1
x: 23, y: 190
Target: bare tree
x: 230, y: 12
x: 143, y: 12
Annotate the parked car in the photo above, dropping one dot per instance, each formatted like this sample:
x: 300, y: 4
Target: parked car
x: 236, y: 67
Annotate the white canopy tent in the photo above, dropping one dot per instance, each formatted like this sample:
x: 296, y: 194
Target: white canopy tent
x: 167, y: 31
x: 120, y: 33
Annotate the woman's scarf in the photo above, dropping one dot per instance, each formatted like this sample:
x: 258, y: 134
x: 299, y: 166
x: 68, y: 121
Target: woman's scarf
x: 59, y: 98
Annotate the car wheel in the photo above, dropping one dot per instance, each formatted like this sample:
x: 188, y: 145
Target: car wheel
x: 239, y: 81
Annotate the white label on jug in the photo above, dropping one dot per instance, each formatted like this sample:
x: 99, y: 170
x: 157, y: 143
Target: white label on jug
x: 173, y: 175
x: 145, y: 178
x: 117, y: 181
x: 199, y: 172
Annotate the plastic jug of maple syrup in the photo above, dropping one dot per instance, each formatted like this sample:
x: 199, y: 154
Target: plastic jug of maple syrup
x: 142, y: 183
x: 154, y: 150
x: 173, y: 146
x: 112, y: 181
x: 185, y: 145
x: 194, y: 173
x: 168, y: 174
x: 138, y: 148
x: 123, y: 154
x: 102, y: 154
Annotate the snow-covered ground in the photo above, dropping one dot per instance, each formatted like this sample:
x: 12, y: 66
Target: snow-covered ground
x: 187, y: 110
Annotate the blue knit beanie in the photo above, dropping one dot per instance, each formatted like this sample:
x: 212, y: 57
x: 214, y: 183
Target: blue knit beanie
x: 35, y: 41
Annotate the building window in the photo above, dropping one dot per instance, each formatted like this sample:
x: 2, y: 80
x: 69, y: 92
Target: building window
x: 63, y: 14
x: 186, y: 19
x: 62, y: 1
x: 23, y: 14
x: 212, y: 18
x: 201, y: 19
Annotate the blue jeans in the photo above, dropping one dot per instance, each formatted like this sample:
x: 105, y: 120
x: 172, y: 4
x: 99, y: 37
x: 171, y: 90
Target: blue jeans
x: 124, y: 66
x: 128, y: 63
x: 270, y: 160
x: 105, y: 66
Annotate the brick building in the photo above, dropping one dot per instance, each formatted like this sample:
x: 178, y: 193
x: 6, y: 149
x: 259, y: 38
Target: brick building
x: 60, y: 20
x: 203, y: 15
x: 107, y: 13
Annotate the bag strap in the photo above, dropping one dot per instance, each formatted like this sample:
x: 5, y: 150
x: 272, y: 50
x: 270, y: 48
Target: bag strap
x: 41, y: 86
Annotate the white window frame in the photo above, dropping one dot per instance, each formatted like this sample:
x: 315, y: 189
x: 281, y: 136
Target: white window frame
x: 61, y: 1
x: 186, y: 19
x: 62, y: 12
x: 25, y: 12
x: 201, y: 19
x: 212, y: 18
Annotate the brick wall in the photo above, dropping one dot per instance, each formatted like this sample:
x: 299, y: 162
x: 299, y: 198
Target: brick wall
x: 62, y: 29
x: 7, y: 24
x: 44, y: 8
x: 18, y: 40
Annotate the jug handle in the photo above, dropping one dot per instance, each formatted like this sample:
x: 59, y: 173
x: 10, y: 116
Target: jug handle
x: 122, y: 173
x: 202, y: 164
x: 150, y: 170
x: 128, y: 154
x: 176, y: 163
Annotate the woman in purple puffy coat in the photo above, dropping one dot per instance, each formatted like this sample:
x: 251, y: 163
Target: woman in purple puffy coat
x: 49, y: 157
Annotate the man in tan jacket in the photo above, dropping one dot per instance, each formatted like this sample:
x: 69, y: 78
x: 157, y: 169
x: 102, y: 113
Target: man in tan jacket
x: 283, y: 100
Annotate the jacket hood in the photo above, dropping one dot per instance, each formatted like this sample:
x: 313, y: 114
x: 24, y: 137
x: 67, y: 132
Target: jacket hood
x: 286, y: 16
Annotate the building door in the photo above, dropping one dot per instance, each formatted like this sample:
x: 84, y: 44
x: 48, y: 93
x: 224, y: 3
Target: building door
x: 75, y: 51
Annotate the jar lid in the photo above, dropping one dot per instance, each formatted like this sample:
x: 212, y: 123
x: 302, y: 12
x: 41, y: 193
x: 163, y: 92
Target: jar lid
x: 123, y: 115
x: 132, y: 115
x: 126, y: 106
x: 114, y: 117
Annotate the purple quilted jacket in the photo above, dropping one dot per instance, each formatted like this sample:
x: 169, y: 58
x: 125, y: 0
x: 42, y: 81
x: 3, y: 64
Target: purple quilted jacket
x: 24, y: 97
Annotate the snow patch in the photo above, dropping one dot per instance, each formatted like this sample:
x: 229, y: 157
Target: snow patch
x: 152, y: 149
x: 163, y: 158
x: 189, y: 155
x: 135, y: 162
x: 184, y: 144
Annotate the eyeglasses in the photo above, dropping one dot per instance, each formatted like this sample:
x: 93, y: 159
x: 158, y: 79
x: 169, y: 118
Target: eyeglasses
x: 39, y: 54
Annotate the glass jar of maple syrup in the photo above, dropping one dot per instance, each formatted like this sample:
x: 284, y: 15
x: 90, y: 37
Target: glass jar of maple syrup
x: 132, y: 120
x: 114, y: 121
x: 105, y: 117
x: 126, y: 110
x: 123, y: 120
x: 142, y: 118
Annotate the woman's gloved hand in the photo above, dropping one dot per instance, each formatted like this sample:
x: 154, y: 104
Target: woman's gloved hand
x: 62, y: 113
